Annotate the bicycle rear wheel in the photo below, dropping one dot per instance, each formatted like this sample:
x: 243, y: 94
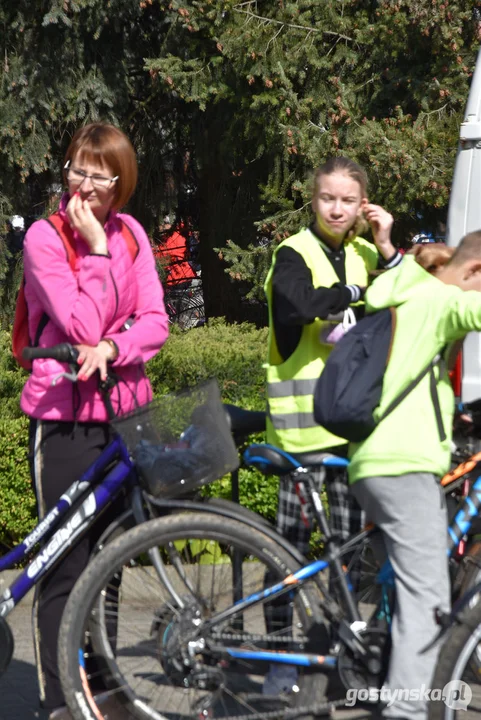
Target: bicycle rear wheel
x: 159, y: 661
x: 192, y: 311
x: 457, y: 678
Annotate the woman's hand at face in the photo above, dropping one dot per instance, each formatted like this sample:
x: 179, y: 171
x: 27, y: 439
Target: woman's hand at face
x: 83, y: 220
x: 92, y: 359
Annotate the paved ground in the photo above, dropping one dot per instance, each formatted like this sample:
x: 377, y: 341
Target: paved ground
x: 19, y: 689
x: 18, y: 686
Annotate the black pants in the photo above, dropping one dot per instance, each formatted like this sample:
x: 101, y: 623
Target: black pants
x: 59, y: 453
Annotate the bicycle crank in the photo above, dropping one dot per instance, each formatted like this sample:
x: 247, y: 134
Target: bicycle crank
x: 6, y: 645
x: 354, y: 672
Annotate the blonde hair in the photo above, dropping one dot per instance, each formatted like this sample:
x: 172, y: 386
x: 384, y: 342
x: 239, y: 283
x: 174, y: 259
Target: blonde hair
x: 345, y: 166
x: 432, y: 257
x: 109, y: 145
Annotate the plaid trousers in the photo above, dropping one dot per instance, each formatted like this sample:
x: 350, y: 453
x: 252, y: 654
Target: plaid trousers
x: 345, y: 519
x: 345, y: 515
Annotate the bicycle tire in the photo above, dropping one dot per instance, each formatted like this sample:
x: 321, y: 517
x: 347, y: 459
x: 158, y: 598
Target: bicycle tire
x: 241, y: 511
x: 87, y: 609
x: 455, y: 664
x: 469, y: 571
x: 361, y: 558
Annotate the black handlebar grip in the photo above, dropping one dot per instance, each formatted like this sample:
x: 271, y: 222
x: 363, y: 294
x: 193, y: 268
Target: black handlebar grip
x: 63, y: 353
x: 473, y: 406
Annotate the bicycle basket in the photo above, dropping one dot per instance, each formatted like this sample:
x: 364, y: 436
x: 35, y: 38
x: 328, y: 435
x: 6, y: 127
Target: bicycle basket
x: 180, y: 441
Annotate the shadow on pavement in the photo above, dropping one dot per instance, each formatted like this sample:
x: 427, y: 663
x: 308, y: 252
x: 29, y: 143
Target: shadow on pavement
x: 19, y: 693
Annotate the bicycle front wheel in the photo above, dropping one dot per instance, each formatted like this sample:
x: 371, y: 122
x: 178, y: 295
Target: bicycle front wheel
x: 457, y: 678
x: 122, y: 634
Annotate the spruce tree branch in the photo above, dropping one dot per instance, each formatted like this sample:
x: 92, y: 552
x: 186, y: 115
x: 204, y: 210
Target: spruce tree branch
x: 290, y: 212
x: 269, y: 21
x: 433, y: 112
x: 332, y: 48
x: 368, y: 82
x: 274, y: 38
x: 318, y: 127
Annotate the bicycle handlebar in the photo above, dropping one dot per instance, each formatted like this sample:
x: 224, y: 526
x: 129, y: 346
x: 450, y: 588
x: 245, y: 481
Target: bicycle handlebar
x: 64, y: 352
x: 467, y: 419
x: 473, y: 406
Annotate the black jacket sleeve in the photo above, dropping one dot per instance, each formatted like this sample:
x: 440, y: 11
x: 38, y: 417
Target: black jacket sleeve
x: 296, y: 301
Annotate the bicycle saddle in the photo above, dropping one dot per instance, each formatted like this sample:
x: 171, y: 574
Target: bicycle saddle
x: 272, y: 460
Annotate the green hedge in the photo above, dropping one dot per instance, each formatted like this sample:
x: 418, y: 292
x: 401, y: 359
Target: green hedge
x: 17, y: 502
x: 12, y: 379
x: 232, y: 353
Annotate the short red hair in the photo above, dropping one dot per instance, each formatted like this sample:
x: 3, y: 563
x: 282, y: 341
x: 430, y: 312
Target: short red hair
x: 109, y: 145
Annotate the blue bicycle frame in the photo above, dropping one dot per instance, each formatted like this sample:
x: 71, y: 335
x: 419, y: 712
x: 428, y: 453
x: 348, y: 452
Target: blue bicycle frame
x: 60, y: 542
x: 460, y: 525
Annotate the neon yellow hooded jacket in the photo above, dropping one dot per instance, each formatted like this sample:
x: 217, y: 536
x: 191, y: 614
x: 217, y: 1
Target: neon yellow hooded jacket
x: 430, y: 316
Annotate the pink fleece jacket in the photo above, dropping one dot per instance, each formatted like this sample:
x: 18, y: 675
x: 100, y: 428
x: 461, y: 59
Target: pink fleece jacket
x: 85, y: 306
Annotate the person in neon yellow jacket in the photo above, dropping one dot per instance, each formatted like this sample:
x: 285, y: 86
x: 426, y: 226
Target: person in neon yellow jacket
x: 395, y: 473
x: 319, y: 272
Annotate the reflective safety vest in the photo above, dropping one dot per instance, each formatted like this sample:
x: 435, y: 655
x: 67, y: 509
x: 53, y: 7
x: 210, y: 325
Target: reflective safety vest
x: 290, y: 384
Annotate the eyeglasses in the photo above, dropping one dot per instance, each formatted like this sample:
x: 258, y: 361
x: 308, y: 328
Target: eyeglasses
x: 78, y: 176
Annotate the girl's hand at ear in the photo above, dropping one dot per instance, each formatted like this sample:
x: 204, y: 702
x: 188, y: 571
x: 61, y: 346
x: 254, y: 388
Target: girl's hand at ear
x: 381, y: 223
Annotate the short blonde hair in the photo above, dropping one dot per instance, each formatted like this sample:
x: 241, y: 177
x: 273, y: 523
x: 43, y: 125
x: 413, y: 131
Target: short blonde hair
x: 109, y: 145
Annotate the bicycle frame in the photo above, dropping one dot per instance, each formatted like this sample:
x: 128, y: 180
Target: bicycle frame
x: 349, y: 626
x: 101, y: 494
x: 463, y: 519
x: 459, y: 526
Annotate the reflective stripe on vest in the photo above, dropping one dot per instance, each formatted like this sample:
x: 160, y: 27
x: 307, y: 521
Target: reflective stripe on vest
x: 286, y: 388
x: 291, y: 421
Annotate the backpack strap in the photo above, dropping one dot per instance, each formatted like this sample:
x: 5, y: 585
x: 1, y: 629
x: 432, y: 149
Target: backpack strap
x: 438, y: 361
x: 130, y: 240
x: 65, y: 233
x: 40, y: 328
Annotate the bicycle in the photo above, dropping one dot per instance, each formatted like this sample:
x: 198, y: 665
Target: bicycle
x: 457, y: 675
x: 203, y: 650
x: 185, y: 304
x: 459, y: 659
x: 112, y: 474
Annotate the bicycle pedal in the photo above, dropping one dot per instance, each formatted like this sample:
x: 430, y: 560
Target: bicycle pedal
x: 442, y: 619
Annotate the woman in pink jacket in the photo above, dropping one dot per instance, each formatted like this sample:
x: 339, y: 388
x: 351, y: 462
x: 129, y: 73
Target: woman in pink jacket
x: 90, y: 307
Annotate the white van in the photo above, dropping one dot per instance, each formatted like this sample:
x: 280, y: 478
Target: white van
x: 464, y: 215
